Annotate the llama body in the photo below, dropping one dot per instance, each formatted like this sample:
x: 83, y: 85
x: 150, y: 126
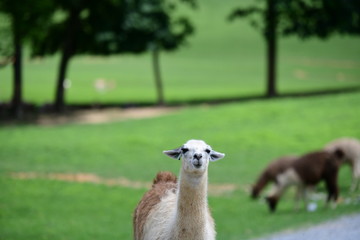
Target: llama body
x: 174, y: 210
x: 196, y: 219
x: 308, y: 171
x: 351, y: 149
x: 270, y: 174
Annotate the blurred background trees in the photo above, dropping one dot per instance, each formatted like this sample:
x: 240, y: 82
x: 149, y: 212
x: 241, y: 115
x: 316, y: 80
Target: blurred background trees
x: 302, y: 18
x: 111, y: 27
x: 158, y: 27
x: 25, y: 21
x: 77, y: 27
x: 74, y: 27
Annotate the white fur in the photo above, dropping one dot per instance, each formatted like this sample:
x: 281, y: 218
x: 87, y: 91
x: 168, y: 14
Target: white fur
x: 161, y: 218
x: 285, y: 180
x: 291, y: 178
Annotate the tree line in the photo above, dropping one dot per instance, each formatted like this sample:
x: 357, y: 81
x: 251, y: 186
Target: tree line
x: 73, y: 27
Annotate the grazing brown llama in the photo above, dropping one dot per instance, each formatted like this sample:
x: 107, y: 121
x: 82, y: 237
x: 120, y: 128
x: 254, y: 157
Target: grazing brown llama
x: 270, y: 173
x: 306, y: 172
x: 174, y: 210
x: 351, y: 149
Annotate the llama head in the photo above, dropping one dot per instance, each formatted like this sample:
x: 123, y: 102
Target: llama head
x: 338, y: 156
x: 196, y: 155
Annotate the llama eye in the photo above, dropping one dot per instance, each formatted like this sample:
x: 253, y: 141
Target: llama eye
x: 207, y: 150
x: 184, y: 150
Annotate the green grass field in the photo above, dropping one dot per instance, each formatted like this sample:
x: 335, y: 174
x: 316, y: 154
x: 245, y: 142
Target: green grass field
x: 251, y: 134
x: 221, y: 60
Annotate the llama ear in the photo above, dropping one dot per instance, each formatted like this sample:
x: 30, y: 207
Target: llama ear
x: 176, y: 153
x: 214, y: 156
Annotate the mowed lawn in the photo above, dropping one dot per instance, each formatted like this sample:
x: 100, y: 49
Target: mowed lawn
x: 221, y: 60
x: 250, y: 134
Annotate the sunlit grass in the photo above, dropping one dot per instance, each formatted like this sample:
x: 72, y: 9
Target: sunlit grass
x: 251, y: 134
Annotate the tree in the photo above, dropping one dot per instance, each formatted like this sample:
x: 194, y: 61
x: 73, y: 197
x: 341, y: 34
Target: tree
x: 303, y: 18
x: 108, y: 27
x: 155, y: 21
x: 26, y: 19
x: 15, y: 14
x: 79, y: 26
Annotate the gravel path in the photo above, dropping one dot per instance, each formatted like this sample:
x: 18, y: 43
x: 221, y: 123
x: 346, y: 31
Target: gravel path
x: 343, y: 228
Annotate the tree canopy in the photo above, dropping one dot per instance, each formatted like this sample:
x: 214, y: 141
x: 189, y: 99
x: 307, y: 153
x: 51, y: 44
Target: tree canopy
x: 306, y: 18
x: 6, y: 47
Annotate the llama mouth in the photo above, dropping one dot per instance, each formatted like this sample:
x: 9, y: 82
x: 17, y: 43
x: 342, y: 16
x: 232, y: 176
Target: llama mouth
x: 197, y: 165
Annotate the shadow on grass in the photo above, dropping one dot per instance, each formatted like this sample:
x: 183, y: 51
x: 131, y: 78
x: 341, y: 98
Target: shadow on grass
x: 263, y: 97
x: 31, y: 112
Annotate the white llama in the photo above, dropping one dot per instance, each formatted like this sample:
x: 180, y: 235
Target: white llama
x: 351, y: 149
x: 174, y: 211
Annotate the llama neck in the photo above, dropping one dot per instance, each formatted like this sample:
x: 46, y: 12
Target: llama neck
x: 261, y: 182
x: 192, y: 208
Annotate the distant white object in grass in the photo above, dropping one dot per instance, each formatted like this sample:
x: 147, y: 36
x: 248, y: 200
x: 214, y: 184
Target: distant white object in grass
x: 300, y: 74
x: 347, y: 201
x: 311, y: 207
x: 67, y: 83
x: 101, y: 85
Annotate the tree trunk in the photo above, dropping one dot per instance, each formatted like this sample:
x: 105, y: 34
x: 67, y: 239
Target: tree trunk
x: 59, y: 103
x: 157, y: 75
x: 68, y: 50
x: 16, y: 103
x: 271, y: 17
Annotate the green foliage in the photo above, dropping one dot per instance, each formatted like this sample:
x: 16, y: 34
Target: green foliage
x: 250, y: 134
x: 157, y: 23
x: 29, y: 18
x: 109, y: 27
x: 74, y: 27
x: 319, y: 18
x: 6, y: 48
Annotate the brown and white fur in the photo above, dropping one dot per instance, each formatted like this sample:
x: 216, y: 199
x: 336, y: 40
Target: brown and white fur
x: 351, y: 149
x: 306, y: 172
x: 270, y: 174
x: 179, y: 210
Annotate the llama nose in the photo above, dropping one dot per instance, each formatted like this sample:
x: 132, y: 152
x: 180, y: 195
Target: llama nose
x: 197, y: 156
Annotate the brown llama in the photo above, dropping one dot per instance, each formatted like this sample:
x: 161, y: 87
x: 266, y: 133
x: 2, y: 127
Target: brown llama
x: 270, y: 173
x: 306, y: 172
